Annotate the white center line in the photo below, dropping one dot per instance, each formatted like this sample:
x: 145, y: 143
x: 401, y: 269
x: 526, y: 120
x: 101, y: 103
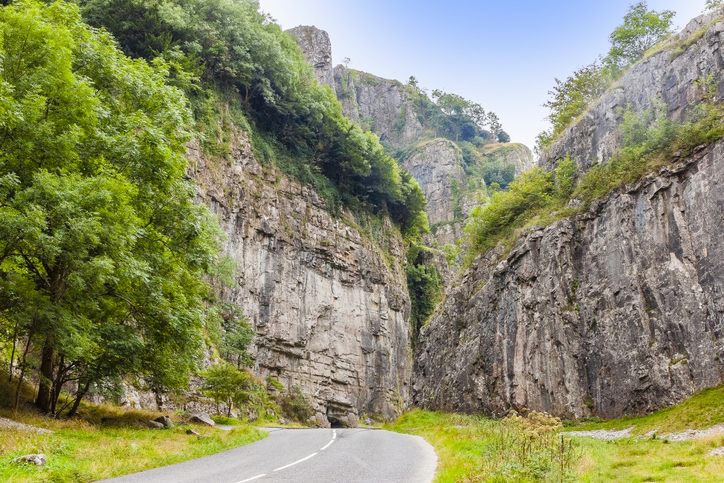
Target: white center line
x: 327, y: 445
x: 297, y: 462
x: 334, y: 434
x: 250, y: 479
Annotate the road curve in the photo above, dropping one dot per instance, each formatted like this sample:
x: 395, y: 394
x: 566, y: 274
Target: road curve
x: 308, y: 456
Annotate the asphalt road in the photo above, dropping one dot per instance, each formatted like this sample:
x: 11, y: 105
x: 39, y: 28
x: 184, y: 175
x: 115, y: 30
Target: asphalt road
x: 308, y: 456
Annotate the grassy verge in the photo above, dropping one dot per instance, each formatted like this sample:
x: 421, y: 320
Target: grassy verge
x: 632, y: 460
x: 104, y: 441
x: 477, y: 449
x: 473, y: 448
x: 701, y: 411
x: 80, y: 451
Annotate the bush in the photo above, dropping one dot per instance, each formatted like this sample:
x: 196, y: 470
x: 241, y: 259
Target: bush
x: 295, y: 405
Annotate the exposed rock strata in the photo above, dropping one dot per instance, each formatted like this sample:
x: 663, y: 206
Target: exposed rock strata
x: 330, y: 315
x: 317, y: 50
x: 656, y: 82
x: 616, y: 311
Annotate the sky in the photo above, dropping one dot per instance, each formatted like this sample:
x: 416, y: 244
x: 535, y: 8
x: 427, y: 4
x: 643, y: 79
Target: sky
x: 503, y: 55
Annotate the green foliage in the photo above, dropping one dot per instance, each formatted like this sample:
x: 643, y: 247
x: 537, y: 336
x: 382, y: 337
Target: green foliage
x: 503, y: 137
x: 452, y: 252
x: 242, y: 55
x: 451, y: 116
x: 102, y: 248
x: 641, y: 29
x: 234, y: 387
x: 425, y: 287
x: 477, y: 449
x: 530, y: 194
x: 237, y: 334
x: 650, y: 140
x: 712, y: 5
x: 295, y: 405
x: 274, y: 383
x: 570, y: 98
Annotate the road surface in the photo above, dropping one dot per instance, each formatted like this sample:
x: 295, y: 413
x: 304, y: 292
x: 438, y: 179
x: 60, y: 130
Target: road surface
x: 308, y: 456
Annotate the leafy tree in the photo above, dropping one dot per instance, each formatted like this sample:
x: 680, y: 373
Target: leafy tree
x: 238, y: 334
x: 712, y: 5
x: 247, y: 64
x: 425, y: 292
x: 641, y: 29
x: 227, y: 384
x: 102, y: 249
x: 570, y: 98
x: 503, y: 137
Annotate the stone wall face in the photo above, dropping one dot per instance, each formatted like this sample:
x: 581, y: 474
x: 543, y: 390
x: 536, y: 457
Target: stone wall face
x: 616, y: 311
x: 331, y: 315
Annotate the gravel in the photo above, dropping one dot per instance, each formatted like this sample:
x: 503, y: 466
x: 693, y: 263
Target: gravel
x: 10, y: 424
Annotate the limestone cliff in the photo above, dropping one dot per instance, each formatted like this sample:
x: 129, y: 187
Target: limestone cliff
x: 330, y: 308
x: 674, y: 79
x: 514, y: 154
x: 614, y: 311
x: 317, y: 49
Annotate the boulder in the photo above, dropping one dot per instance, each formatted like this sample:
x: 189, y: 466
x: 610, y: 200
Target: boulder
x: 155, y: 425
x: 34, y: 459
x: 193, y: 431
x: 283, y: 421
x: 202, y: 419
x: 165, y: 420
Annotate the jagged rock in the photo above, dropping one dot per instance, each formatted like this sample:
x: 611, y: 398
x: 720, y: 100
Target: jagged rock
x: 329, y: 307
x: 202, y: 419
x: 437, y: 167
x: 615, y: 311
x: 193, y: 432
x: 283, y: 421
x: 656, y: 80
x: 33, y: 459
x: 165, y: 420
x: 511, y: 153
x: 253, y: 417
x: 317, y: 50
x: 155, y: 425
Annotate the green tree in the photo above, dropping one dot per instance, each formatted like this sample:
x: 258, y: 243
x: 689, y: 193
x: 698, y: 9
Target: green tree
x: 641, y: 29
x: 570, y: 98
x: 102, y: 249
x: 227, y: 384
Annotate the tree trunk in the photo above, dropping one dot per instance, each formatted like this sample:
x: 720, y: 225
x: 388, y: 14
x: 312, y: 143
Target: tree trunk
x: 22, y: 370
x: 44, y: 400
x: 82, y: 391
x: 12, y: 355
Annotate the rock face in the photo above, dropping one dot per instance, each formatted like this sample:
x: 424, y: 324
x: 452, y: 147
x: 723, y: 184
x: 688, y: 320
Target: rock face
x: 512, y: 153
x: 330, y: 310
x: 437, y: 167
x: 615, y: 311
x: 676, y: 85
x: 317, y: 50
x: 380, y: 105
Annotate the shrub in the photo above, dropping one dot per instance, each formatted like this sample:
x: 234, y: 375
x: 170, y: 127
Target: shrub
x: 295, y: 405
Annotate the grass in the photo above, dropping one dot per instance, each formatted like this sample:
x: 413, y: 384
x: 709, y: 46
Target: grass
x: 104, y: 441
x: 473, y: 448
x: 701, y: 411
x: 469, y: 450
x: 632, y: 460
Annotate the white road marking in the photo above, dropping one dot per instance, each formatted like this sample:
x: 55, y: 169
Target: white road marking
x: 334, y: 434
x: 327, y: 445
x: 297, y: 462
x: 250, y: 479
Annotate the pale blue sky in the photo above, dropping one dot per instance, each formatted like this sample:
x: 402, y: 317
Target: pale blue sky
x: 503, y: 54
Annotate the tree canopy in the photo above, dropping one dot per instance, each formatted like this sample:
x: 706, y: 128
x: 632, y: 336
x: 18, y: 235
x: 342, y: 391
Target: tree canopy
x: 246, y: 64
x: 102, y: 250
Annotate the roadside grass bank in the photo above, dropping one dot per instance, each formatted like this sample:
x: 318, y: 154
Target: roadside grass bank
x: 104, y: 441
x: 478, y: 449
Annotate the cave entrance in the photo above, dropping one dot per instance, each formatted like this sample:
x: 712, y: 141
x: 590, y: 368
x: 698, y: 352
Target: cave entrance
x: 334, y: 420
